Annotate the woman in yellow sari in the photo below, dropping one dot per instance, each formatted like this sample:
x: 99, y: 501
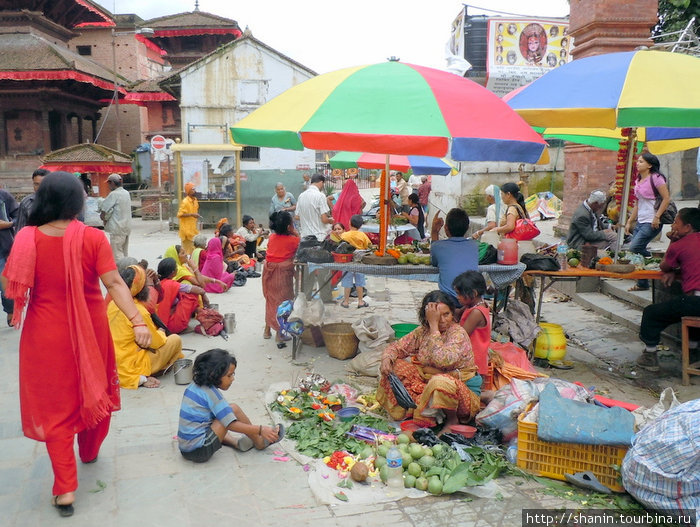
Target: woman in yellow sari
x: 136, y: 365
x: 441, y: 365
x: 186, y: 270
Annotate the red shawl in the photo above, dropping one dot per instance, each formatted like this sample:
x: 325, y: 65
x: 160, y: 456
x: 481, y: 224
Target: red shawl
x: 349, y: 203
x: 96, y: 403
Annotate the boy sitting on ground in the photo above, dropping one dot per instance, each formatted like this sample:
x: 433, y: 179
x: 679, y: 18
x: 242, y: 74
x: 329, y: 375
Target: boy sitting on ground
x: 682, y: 258
x: 206, y: 418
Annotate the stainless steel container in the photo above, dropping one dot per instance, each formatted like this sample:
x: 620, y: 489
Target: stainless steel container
x: 230, y: 322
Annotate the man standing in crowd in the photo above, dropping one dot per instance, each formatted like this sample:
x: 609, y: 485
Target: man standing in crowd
x: 26, y: 204
x: 115, y: 212
x: 315, y: 220
x: 424, y: 194
x: 8, y: 216
x: 188, y: 214
x: 586, y: 225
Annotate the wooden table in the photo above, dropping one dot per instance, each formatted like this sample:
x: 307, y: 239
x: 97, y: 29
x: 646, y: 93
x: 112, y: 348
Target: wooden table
x: 501, y: 276
x: 576, y: 273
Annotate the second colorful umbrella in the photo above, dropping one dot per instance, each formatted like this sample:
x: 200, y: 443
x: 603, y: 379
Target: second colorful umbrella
x: 420, y: 165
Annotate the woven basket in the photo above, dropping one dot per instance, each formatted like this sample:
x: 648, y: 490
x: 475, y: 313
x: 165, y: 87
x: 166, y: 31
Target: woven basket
x: 340, y: 340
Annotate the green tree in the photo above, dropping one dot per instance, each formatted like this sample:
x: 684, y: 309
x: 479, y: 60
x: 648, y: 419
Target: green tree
x: 674, y: 15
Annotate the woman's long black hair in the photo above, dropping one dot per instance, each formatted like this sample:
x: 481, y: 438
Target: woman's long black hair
x: 280, y: 222
x: 60, y: 197
x: 514, y: 190
x: 654, y: 162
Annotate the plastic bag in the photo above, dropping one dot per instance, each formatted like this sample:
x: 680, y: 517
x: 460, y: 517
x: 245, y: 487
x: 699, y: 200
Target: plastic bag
x: 309, y: 312
x: 345, y: 390
x: 644, y: 416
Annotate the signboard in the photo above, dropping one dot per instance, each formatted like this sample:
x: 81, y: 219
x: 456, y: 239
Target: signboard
x: 158, y: 142
x: 520, y: 50
x: 195, y: 170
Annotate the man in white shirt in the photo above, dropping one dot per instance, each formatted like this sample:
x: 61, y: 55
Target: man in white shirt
x: 313, y: 210
x: 115, y: 212
x: 315, y: 220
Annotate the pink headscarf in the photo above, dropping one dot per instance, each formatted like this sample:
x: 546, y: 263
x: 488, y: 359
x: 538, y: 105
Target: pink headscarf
x: 349, y: 203
x: 214, y: 267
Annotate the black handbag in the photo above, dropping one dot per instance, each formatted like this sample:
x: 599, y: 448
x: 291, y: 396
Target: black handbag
x: 539, y: 262
x: 403, y: 398
x: 669, y: 214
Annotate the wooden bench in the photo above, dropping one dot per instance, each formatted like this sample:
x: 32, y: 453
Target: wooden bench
x: 688, y: 369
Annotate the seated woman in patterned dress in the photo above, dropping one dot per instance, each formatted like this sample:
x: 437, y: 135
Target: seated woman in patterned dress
x: 435, y: 363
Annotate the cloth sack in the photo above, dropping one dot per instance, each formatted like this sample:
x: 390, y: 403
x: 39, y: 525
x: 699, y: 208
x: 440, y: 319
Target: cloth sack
x: 669, y: 214
x: 539, y: 262
x: 210, y: 320
x: 644, y: 416
x: 373, y: 332
x: 565, y: 421
x: 518, y: 323
x: 662, y: 469
x: 366, y: 363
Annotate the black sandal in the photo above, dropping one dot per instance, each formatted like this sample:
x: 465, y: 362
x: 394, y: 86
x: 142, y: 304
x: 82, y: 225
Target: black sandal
x: 63, y: 510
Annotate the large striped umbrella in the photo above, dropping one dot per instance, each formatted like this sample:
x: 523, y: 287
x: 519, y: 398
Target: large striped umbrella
x: 420, y: 165
x: 393, y: 108
x: 632, y: 89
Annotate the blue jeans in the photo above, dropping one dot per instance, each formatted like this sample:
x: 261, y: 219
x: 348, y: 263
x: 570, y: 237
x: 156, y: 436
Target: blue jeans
x: 641, y: 236
x: 358, y: 279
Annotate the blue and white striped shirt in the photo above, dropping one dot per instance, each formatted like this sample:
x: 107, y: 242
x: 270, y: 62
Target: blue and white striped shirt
x: 200, y: 406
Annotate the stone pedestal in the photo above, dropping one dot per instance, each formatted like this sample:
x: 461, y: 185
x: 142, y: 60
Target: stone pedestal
x: 600, y: 26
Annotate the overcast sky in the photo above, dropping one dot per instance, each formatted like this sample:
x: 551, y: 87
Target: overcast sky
x: 327, y: 35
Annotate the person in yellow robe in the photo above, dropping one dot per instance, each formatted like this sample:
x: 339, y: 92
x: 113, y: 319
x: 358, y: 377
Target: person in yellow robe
x: 135, y: 365
x: 188, y: 214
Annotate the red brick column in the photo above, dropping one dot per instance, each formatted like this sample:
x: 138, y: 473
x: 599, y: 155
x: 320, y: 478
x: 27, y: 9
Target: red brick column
x: 600, y: 26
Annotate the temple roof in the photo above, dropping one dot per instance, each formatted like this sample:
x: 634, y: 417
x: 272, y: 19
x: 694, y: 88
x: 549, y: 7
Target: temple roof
x: 86, y: 153
x: 194, y: 19
x: 67, y: 13
x: 24, y: 56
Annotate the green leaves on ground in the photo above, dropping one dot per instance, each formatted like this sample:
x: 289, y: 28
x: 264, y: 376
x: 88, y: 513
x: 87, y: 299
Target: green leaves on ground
x: 101, y: 485
x: 321, y: 438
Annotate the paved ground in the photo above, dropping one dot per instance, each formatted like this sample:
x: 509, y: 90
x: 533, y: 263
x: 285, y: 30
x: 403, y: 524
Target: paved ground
x: 141, y: 479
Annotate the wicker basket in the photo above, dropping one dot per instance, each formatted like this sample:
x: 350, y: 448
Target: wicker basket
x: 340, y: 340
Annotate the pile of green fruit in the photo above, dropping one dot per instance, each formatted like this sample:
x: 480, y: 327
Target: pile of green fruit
x: 414, y: 258
x: 574, y: 257
x: 437, y: 470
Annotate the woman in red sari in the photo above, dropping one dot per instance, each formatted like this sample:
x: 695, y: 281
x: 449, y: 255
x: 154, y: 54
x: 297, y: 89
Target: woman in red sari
x: 278, y: 273
x: 67, y: 369
x: 349, y: 203
x: 440, y: 364
x: 180, y: 299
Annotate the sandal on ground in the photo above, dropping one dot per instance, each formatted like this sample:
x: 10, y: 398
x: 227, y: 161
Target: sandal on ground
x: 587, y: 480
x: 363, y: 304
x: 281, y: 345
x: 280, y: 435
x: 346, y: 306
x: 9, y: 319
x: 267, y: 335
x: 63, y: 510
x: 637, y: 288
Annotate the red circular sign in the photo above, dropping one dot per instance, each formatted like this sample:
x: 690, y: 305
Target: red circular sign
x: 158, y: 142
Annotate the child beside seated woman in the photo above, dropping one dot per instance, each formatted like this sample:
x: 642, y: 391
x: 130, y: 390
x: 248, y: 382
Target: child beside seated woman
x: 207, y: 419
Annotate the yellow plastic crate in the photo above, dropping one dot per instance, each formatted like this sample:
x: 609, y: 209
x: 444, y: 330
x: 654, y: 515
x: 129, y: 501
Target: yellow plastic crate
x: 551, y: 460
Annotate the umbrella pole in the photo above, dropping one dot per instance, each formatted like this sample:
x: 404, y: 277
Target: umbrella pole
x: 384, y: 208
x: 631, y: 147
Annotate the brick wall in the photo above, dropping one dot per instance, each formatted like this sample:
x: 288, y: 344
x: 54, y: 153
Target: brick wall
x: 600, y: 26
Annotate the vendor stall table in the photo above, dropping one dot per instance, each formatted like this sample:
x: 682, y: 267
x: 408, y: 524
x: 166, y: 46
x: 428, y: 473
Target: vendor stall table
x: 396, y: 230
x: 501, y: 276
x: 574, y: 275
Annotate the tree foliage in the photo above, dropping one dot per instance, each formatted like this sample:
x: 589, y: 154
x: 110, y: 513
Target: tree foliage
x: 674, y: 15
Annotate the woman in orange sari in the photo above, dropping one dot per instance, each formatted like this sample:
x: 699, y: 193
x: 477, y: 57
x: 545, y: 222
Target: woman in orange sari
x: 278, y: 273
x: 441, y: 363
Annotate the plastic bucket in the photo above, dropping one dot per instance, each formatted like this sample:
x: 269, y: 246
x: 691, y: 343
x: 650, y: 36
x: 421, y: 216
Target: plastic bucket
x: 183, y: 371
x: 401, y: 330
x: 551, y: 342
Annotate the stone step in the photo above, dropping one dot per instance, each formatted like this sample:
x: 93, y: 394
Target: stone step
x: 616, y: 310
x: 619, y: 289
